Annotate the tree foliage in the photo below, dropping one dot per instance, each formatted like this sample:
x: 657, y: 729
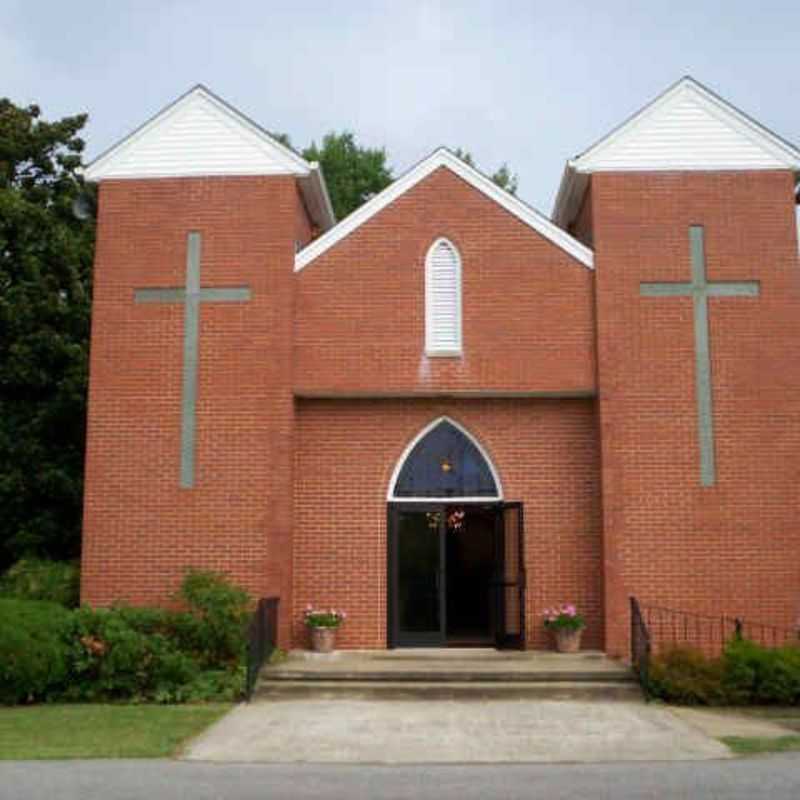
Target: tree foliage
x: 45, y: 264
x: 503, y: 176
x: 353, y: 173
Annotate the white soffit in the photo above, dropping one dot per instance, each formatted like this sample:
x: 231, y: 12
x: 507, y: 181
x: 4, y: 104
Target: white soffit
x: 444, y: 158
x: 198, y: 134
x: 689, y: 127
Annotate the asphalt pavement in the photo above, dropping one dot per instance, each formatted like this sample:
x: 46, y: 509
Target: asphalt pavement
x: 773, y: 777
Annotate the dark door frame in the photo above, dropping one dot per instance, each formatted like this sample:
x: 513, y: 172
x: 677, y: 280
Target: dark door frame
x: 497, y: 614
x: 508, y: 580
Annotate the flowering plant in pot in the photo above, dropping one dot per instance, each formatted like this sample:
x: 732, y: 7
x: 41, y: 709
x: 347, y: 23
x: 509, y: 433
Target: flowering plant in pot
x: 567, y: 625
x: 322, y: 623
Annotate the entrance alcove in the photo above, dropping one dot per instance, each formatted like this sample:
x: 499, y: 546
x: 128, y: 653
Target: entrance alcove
x: 456, y: 574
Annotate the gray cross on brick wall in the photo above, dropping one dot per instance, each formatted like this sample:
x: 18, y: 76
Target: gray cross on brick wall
x: 191, y: 296
x: 700, y: 290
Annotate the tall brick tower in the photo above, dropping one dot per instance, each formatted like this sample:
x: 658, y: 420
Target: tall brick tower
x: 190, y: 408
x: 689, y: 207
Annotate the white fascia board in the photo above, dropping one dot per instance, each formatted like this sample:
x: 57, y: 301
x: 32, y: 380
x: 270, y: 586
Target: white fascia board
x: 329, y: 214
x: 97, y: 168
x: 316, y: 199
x: 444, y: 158
x: 570, y: 196
x: 725, y: 112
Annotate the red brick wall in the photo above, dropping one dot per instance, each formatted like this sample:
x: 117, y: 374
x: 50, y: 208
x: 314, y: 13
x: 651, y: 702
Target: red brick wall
x: 546, y: 455
x: 732, y: 548
x: 528, y: 321
x: 141, y: 529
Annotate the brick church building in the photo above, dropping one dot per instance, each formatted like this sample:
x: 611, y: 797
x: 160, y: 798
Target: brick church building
x: 448, y: 411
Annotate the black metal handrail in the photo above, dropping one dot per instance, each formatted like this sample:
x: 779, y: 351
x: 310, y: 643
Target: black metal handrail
x: 262, y: 637
x: 669, y: 626
x: 654, y: 628
x: 641, y: 646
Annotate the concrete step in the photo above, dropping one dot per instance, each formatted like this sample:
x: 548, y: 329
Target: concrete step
x: 277, y: 690
x: 465, y: 675
x: 448, y: 674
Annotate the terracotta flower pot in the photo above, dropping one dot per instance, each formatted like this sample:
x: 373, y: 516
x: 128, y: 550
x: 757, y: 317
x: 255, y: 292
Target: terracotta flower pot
x: 323, y: 639
x: 568, y: 641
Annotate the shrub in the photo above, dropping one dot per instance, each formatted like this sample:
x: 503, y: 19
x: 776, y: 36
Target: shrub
x: 755, y: 674
x: 216, y: 684
x: 148, y: 620
x: 684, y: 675
x: 111, y: 659
x: 37, y: 579
x: 48, y: 652
x: 221, y: 611
x: 746, y: 673
x: 34, y: 654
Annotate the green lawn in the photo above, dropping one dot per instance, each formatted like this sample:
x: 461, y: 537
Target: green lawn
x: 101, y: 731
x: 787, y: 716
x: 751, y: 745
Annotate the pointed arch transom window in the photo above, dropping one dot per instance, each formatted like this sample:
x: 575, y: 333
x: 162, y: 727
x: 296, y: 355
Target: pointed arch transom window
x: 443, y: 300
x: 445, y: 462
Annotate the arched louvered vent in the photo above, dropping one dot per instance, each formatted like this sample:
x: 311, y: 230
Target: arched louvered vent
x: 443, y: 300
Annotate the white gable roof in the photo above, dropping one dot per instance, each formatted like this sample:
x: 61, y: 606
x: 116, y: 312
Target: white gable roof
x: 444, y: 158
x: 688, y: 127
x: 201, y: 135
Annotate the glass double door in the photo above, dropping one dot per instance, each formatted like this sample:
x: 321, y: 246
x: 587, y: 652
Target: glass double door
x: 455, y: 575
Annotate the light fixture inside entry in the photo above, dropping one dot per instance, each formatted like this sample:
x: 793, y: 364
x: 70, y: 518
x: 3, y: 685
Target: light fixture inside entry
x: 447, y: 465
x: 455, y: 519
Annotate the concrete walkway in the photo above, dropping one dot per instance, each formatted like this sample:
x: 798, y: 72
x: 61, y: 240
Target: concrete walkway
x: 347, y: 731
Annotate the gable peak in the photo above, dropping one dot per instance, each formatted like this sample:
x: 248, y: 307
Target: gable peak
x: 444, y: 157
x: 688, y: 126
x: 197, y: 134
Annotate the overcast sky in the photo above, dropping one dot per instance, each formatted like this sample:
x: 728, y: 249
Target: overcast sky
x: 531, y: 83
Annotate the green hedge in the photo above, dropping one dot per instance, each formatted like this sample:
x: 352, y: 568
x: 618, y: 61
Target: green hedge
x: 34, y: 658
x: 745, y: 674
x: 48, y: 652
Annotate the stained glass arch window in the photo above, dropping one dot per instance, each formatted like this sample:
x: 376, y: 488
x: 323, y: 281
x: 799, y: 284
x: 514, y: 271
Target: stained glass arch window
x: 445, y: 462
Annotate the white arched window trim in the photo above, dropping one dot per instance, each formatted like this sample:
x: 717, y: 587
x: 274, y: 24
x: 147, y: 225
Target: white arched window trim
x: 442, y: 338
x: 412, y: 444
